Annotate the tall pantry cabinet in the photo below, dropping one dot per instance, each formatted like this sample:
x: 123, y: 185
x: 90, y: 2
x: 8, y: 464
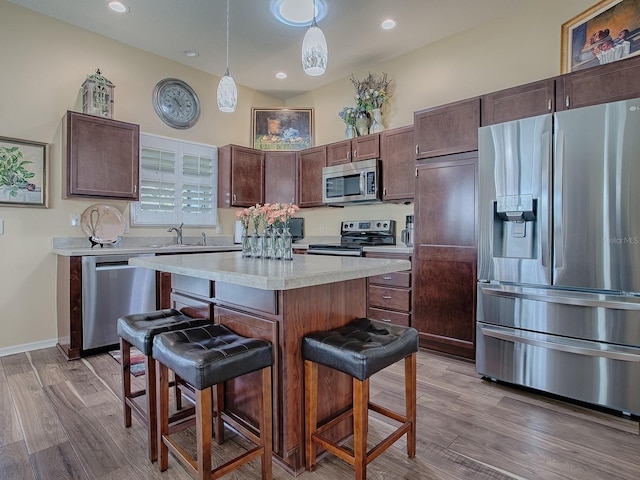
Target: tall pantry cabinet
x: 445, y: 252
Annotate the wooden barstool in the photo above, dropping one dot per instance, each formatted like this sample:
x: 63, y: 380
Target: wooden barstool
x: 138, y: 330
x: 359, y: 349
x: 205, y: 357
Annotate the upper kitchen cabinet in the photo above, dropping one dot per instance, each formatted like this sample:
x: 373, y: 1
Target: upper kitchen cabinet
x: 451, y: 128
x: 240, y: 176
x: 398, y: 164
x: 605, y: 83
x: 310, y: 164
x: 102, y: 157
x: 280, y: 177
x: 523, y: 101
x: 358, y: 148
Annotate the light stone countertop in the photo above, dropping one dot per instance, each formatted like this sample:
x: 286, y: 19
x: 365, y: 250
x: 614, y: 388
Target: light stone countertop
x: 302, y: 271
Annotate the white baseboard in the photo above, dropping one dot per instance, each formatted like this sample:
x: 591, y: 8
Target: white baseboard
x: 27, y: 347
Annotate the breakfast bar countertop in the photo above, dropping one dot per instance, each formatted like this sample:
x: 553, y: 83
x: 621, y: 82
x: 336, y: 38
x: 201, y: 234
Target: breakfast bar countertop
x: 302, y: 271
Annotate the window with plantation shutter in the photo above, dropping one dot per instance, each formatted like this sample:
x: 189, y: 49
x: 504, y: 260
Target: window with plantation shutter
x: 177, y: 183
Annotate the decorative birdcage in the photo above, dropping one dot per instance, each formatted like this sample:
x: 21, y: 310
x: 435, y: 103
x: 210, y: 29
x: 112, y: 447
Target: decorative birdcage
x: 97, y: 95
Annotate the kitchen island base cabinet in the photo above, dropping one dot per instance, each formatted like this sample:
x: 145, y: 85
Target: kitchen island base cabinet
x: 298, y: 312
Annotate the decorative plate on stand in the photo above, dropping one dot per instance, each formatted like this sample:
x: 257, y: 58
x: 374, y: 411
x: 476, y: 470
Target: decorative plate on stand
x: 103, y: 224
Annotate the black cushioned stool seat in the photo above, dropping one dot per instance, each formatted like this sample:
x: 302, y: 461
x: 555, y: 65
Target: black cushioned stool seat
x: 359, y: 349
x: 138, y: 330
x: 205, y: 357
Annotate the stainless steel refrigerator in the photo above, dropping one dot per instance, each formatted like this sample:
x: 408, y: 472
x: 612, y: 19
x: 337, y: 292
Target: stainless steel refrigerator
x: 559, y: 254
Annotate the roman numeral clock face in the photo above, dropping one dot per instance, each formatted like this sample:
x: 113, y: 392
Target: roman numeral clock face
x: 176, y: 103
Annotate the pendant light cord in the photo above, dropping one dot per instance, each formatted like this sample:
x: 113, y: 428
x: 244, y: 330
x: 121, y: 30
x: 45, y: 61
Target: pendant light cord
x: 227, y: 71
x: 314, y: 24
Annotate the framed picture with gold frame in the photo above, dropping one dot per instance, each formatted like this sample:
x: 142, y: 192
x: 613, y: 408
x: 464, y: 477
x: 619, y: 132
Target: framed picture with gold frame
x: 282, y: 129
x: 607, y: 32
x: 23, y: 173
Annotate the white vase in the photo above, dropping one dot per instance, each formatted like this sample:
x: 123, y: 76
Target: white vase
x: 376, y: 124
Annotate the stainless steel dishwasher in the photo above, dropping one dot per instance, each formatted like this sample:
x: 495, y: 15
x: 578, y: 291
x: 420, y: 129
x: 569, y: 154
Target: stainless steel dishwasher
x: 112, y: 288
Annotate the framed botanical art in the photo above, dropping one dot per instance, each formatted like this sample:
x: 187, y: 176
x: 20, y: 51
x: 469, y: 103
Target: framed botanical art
x: 282, y: 129
x: 607, y: 32
x: 23, y: 173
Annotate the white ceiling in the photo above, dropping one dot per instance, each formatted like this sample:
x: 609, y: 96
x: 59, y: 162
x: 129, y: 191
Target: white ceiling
x: 261, y: 46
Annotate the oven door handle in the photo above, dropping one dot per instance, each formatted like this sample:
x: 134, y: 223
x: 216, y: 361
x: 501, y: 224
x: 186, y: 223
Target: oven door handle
x: 580, y: 347
x: 583, y: 301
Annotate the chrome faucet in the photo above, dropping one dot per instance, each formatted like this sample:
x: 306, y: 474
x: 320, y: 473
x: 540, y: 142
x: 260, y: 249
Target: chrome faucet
x: 178, y: 231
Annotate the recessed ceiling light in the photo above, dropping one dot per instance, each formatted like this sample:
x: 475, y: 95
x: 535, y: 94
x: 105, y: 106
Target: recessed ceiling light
x: 281, y: 75
x: 388, y: 24
x: 297, y: 13
x: 118, y: 7
x: 191, y: 53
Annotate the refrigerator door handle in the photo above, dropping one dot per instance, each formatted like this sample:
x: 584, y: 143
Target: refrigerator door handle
x: 583, y: 301
x: 558, y: 220
x: 546, y: 220
x: 580, y: 347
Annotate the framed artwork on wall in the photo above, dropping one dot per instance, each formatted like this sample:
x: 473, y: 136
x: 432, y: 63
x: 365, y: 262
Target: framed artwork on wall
x: 23, y: 173
x: 282, y: 129
x: 607, y: 32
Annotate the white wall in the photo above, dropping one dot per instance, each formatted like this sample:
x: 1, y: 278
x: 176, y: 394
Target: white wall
x: 45, y: 62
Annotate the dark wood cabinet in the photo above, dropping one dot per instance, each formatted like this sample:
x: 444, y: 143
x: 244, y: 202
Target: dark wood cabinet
x: 445, y: 252
x: 280, y: 177
x: 102, y: 157
x: 528, y: 100
x: 310, y: 164
x: 447, y: 129
x: 389, y: 295
x: 358, y: 148
x: 398, y: 158
x: 605, y: 83
x: 240, y: 176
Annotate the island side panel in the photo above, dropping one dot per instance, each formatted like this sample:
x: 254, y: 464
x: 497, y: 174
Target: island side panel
x: 306, y: 310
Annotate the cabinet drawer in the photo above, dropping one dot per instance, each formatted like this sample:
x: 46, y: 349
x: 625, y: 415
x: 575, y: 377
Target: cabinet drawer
x: 247, y: 298
x: 199, y: 287
x: 397, y: 318
x: 393, y: 298
x: 191, y: 306
x: 395, y: 279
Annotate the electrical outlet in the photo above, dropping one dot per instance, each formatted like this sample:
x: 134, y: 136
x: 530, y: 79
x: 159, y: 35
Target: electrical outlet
x: 321, y: 228
x: 1, y: 227
x: 75, y: 219
x: 127, y: 228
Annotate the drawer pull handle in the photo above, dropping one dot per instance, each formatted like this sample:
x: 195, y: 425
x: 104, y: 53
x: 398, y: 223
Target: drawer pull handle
x: 386, y: 278
x: 386, y: 320
x: 386, y: 297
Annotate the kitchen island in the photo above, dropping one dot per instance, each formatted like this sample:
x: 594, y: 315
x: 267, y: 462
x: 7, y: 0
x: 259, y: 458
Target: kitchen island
x: 279, y: 301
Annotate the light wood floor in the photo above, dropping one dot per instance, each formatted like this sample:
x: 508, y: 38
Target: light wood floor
x: 63, y: 420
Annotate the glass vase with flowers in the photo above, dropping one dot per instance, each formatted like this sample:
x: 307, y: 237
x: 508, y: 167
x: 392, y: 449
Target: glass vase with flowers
x: 281, y: 214
x: 348, y: 116
x: 245, y: 216
x: 256, y: 213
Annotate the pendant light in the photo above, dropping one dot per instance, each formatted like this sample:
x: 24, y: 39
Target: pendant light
x: 227, y: 91
x: 314, y: 49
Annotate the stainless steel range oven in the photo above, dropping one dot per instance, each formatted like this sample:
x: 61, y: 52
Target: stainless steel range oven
x: 356, y: 234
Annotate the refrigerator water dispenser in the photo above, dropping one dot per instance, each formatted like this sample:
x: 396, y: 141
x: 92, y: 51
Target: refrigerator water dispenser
x: 514, y: 226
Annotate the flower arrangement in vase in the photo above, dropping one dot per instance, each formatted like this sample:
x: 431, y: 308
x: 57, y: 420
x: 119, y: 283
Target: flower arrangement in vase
x: 272, y: 219
x: 371, y: 94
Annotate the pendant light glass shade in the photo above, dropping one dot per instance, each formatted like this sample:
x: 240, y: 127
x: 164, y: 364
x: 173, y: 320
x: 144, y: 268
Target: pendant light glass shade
x: 227, y: 94
x: 314, y: 49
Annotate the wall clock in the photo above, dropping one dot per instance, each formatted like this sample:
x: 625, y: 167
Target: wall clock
x: 176, y: 103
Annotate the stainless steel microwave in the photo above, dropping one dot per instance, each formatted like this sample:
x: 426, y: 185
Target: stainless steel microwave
x: 355, y: 182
